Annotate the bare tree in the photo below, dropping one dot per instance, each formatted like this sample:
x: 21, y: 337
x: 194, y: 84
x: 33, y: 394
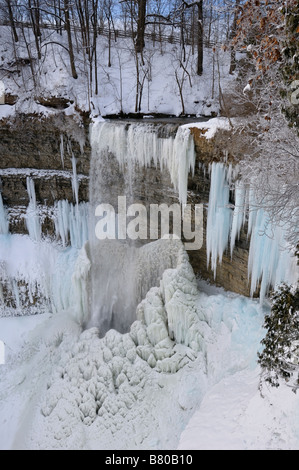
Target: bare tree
x: 66, y: 10
x: 198, y: 5
x: 11, y: 20
x: 180, y: 65
x: 34, y: 12
x: 141, y: 23
x: 232, y: 35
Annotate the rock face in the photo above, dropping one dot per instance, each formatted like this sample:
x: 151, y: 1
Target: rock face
x: 45, y: 150
x: 30, y: 142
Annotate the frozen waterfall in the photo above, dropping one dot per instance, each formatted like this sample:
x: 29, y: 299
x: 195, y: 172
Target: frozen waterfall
x: 37, y: 271
x: 122, y: 273
x: 104, y: 281
x: 146, y: 144
x: 271, y: 261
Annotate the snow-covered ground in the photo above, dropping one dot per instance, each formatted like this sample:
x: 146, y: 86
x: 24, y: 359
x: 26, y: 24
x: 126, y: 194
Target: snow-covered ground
x: 117, y: 83
x: 66, y: 388
x: 237, y: 413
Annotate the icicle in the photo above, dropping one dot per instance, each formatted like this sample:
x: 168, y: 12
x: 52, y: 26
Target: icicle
x: 142, y: 145
x: 32, y: 218
x: 62, y: 150
x: 62, y: 222
x: 271, y: 261
x: 80, y: 281
x: 219, y: 216
x: 75, y: 181
x: 72, y: 223
x: 4, y: 225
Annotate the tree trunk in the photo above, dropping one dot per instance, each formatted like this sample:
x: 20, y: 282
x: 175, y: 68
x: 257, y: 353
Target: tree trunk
x: 12, y: 21
x: 200, y: 39
x: 140, y: 43
x: 95, y: 35
x: 69, y: 36
x: 232, y: 35
x: 35, y: 20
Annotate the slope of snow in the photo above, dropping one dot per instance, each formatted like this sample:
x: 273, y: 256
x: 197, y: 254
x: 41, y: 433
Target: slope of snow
x: 190, y: 353
x: 235, y: 416
x: 117, y: 84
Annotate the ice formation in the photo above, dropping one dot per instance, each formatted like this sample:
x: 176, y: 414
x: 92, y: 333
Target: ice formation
x: 141, y: 144
x: 37, y: 273
x: 121, y: 273
x: 62, y: 150
x: 121, y: 276
x: 75, y: 182
x: 32, y: 216
x: 119, y: 378
x: 4, y: 225
x: 219, y: 215
x: 271, y: 260
x: 72, y: 223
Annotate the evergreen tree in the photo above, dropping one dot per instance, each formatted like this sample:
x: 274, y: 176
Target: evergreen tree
x: 280, y: 357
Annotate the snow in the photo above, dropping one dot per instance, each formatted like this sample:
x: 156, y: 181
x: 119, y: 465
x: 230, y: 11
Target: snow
x: 235, y: 416
x: 6, y: 111
x: 117, y: 84
x: 211, y: 127
x: 247, y: 88
x: 2, y: 88
x: 67, y: 389
x: 184, y: 373
x: 41, y: 174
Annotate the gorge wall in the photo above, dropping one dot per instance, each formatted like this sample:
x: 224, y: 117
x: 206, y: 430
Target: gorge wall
x: 54, y: 151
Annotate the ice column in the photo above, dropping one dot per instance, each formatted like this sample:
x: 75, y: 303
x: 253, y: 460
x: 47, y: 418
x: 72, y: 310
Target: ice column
x: 75, y: 181
x: 72, y: 223
x: 4, y: 225
x: 271, y: 260
x: 219, y: 216
x: 32, y: 216
x: 62, y: 150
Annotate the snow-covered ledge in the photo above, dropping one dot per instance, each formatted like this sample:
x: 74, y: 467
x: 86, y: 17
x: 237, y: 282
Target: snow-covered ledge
x: 210, y: 128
